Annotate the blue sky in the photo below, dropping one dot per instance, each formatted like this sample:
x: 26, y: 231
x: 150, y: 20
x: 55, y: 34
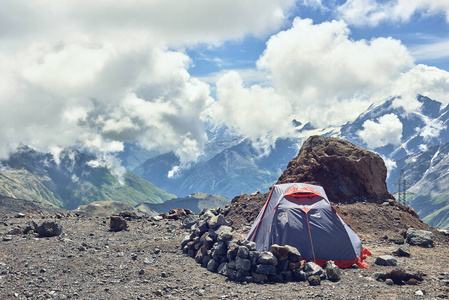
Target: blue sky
x: 98, y: 74
x: 417, y: 33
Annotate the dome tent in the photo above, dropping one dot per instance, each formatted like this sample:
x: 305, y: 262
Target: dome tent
x: 300, y: 215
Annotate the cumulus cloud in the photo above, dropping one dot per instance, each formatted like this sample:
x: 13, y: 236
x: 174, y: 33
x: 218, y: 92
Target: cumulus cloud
x: 97, y: 74
x: 259, y: 113
x: 319, y: 67
x: 387, y: 130
x: 373, y: 12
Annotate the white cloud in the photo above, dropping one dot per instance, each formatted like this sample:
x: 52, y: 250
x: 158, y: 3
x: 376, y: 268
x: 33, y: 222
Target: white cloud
x: 373, y: 12
x: 97, y: 74
x: 387, y: 130
x: 435, y: 50
x: 257, y: 112
x: 319, y: 68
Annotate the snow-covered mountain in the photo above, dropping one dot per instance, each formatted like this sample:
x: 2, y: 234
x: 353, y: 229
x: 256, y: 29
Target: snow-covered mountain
x: 233, y: 166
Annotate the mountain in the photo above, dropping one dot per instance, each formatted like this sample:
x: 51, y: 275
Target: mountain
x: 241, y: 168
x: 195, y: 202
x: 427, y: 174
x: 420, y: 129
x: 70, y: 180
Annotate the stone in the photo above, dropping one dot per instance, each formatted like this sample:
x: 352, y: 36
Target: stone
x: 415, y: 274
x: 212, y: 265
x: 293, y: 254
x: 7, y: 238
x: 217, y: 221
x: 49, y: 229
x: 333, y: 272
x: 232, y: 273
x: 314, y: 280
x: 417, y: 237
x: 117, y: 224
x: 250, y: 245
x: 15, y: 231
x: 403, y: 250
x: 296, y: 265
x: 288, y: 276
x: 259, y: 278
x: 397, y: 239
x: 267, y: 258
x: 281, y: 252
x: 419, y: 293
x: 232, y: 252
x: 386, y: 260
x: 176, y: 214
x: 299, y: 275
x: 224, y: 233
x: 314, y: 269
x: 222, y: 268
x: 253, y: 257
x: 243, y: 264
x: 345, y: 171
x: 219, y: 249
x: 397, y: 275
x: 185, y: 241
x: 389, y: 281
x: 206, y: 214
x: 282, y: 265
x: 379, y: 276
x: 189, y: 221
x: 241, y: 275
x: 265, y: 269
x: 412, y: 281
x: 243, y: 252
x: 30, y: 227
x: 128, y: 215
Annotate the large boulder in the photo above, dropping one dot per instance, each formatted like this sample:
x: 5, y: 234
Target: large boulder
x: 419, y: 237
x: 347, y: 172
x: 49, y: 229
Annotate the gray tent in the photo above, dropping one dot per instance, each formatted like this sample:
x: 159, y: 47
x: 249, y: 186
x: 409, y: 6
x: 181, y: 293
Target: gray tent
x: 300, y: 215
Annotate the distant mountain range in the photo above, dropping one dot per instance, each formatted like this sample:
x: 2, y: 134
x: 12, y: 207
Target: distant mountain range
x: 231, y: 165
x: 71, y: 180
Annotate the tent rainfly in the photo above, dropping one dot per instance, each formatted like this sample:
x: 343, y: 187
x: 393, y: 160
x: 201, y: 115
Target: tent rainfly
x: 300, y: 215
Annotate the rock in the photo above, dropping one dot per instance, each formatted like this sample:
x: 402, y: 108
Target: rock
x: 314, y: 269
x: 212, y: 265
x: 224, y: 233
x: 389, y: 281
x: 176, y: 214
x: 253, y: 257
x: 189, y: 220
x: 117, y: 224
x: 128, y: 215
x: 397, y: 239
x: 281, y: 252
x: 267, y: 258
x: 31, y: 226
x: 333, y: 272
x: 185, y: 241
x: 222, y: 268
x: 7, y: 238
x: 296, y: 265
x: 415, y: 274
x: 265, y: 269
x: 241, y: 275
x: 243, y: 264
x: 206, y: 214
x: 250, y: 245
x: 419, y: 293
x: 243, y: 252
x: 345, y: 171
x: 299, y: 275
x: 379, y: 276
x: 412, y: 281
x: 314, y: 280
x: 386, y: 260
x: 403, y: 250
x: 293, y: 254
x: 419, y: 237
x: 216, y: 221
x: 397, y: 275
x: 282, y: 265
x: 49, y: 229
x: 19, y: 215
x: 157, y: 218
x: 259, y: 278
x: 15, y: 231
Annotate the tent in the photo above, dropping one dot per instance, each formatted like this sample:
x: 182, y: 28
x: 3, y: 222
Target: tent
x: 300, y: 215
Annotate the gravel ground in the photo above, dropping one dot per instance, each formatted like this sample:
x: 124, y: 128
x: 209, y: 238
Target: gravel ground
x: 89, y: 262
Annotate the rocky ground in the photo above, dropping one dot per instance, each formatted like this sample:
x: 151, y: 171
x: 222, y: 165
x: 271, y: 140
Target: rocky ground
x: 90, y: 262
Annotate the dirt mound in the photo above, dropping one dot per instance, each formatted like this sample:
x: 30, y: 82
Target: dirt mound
x: 347, y: 173
x: 13, y: 205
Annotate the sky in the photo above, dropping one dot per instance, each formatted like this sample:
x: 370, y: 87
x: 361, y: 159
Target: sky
x: 98, y: 74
